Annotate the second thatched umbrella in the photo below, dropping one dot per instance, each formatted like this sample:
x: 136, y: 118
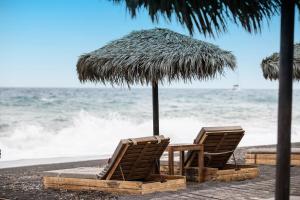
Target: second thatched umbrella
x: 270, y: 65
x: 151, y: 57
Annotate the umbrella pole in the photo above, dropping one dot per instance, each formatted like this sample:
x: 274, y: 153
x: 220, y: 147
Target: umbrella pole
x: 285, y: 100
x: 155, y: 108
x: 155, y: 119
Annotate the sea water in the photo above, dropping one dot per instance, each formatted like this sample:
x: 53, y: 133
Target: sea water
x: 46, y: 122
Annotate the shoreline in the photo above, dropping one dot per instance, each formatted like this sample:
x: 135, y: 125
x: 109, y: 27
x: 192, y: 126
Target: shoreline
x: 31, y: 162
x: 45, y: 161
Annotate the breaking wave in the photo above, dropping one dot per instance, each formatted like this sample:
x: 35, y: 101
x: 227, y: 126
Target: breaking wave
x: 91, y: 122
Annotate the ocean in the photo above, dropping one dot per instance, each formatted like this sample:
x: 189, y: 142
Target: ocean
x: 49, y: 122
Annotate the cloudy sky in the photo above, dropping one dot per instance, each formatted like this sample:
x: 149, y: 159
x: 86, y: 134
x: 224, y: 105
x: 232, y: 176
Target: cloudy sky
x: 40, y: 42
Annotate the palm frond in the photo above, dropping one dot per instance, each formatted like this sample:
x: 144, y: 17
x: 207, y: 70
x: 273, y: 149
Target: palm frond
x: 210, y: 16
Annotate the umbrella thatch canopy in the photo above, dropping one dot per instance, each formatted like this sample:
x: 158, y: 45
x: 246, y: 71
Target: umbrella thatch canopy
x: 155, y: 55
x: 270, y: 65
x: 151, y: 57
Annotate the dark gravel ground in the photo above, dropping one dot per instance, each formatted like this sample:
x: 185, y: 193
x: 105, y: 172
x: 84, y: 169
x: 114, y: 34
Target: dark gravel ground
x: 26, y: 182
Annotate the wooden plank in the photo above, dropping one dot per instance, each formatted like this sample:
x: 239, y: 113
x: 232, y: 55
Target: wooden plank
x: 229, y: 144
x: 185, y: 147
x: 269, y: 156
x: 200, y: 164
x: 235, y: 176
x: 271, y: 150
x: 269, y: 162
x: 144, y: 140
x: 172, y: 183
x: 211, y: 137
x: 60, y: 181
x: 147, y: 152
x: 233, y: 166
x: 219, y: 133
x: 234, y: 171
x: 164, y: 185
x: 220, y: 143
x: 210, y: 171
x: 116, y: 163
x: 223, y: 175
x: 169, y: 177
x: 89, y: 188
x: 181, y: 163
x: 126, y: 160
x: 171, y: 161
x: 169, y: 185
x: 222, y: 128
x: 138, y: 161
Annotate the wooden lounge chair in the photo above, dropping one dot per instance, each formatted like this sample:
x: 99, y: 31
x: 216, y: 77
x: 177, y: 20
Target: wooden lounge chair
x: 219, y: 144
x: 135, y: 159
x: 130, y: 170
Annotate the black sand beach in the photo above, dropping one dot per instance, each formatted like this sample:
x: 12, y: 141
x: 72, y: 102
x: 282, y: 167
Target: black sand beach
x: 26, y: 182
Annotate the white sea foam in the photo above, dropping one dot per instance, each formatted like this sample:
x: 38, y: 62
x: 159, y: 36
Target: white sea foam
x: 91, y: 135
x: 82, y: 123
x: 86, y: 135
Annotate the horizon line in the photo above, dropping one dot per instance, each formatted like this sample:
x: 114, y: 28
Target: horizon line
x: 119, y: 87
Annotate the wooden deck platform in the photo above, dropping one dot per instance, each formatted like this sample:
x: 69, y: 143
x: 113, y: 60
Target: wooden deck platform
x: 86, y: 179
x: 247, y: 191
x: 229, y: 173
x: 267, y: 156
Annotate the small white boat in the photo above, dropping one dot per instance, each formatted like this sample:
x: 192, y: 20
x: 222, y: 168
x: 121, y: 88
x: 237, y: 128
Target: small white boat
x: 235, y: 87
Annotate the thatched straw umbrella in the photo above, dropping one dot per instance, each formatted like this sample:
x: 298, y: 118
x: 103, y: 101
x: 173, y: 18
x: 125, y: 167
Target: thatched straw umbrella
x: 151, y: 57
x: 270, y: 65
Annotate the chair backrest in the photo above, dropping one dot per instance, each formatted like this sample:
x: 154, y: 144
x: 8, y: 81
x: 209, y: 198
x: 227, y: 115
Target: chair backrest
x: 135, y: 159
x: 219, y: 144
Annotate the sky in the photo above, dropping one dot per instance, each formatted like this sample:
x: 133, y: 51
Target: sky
x: 40, y: 42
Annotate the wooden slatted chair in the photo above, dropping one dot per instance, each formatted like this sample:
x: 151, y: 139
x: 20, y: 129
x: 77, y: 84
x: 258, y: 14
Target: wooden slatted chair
x: 219, y: 144
x: 135, y: 159
x: 129, y: 171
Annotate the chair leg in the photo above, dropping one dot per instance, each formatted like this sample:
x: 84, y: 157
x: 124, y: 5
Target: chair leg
x: 200, y: 165
x: 171, y: 162
x: 182, y: 163
x: 236, y: 166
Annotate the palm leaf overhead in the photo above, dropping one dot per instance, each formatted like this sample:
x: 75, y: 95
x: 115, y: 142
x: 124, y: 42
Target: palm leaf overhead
x: 270, y: 65
x: 154, y: 55
x: 208, y: 16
